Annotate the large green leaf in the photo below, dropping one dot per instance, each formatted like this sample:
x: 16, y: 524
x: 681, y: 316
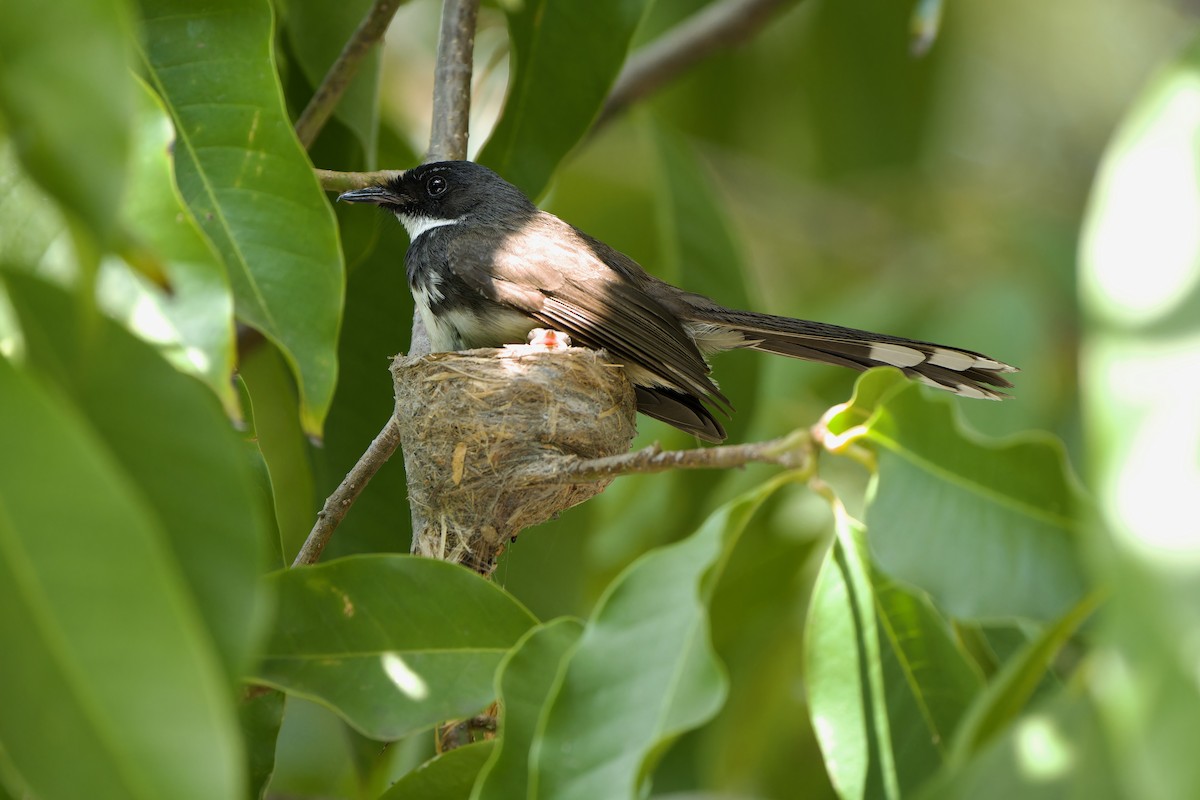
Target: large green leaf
x: 886, y: 682
x: 248, y: 181
x: 761, y: 743
x: 280, y: 443
x: 1057, y: 752
x: 66, y: 100
x: 371, y: 637
x: 151, y: 416
x: 192, y: 321
x: 1139, y: 282
x: 643, y: 671
x: 187, y: 309
x: 990, y: 528
x: 315, y: 754
x: 261, y: 717
x: 168, y: 435
x: 106, y: 659
x: 565, y: 57
x: 527, y: 677
x: 33, y: 229
x: 1011, y: 689
x: 448, y: 776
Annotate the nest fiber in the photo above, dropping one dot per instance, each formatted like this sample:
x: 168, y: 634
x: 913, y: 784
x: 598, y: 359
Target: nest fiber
x: 483, y: 431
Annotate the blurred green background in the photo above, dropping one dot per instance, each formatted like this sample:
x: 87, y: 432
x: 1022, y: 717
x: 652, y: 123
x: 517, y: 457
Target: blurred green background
x: 819, y: 170
x: 840, y: 179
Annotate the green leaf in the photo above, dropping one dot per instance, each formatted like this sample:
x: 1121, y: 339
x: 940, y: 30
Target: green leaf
x: 280, y: 442
x: 164, y: 282
x: 315, y: 754
x: 63, y: 69
x: 565, y: 57
x: 1058, y: 751
x: 368, y: 636
x: 874, y: 386
x: 989, y: 528
x: 261, y: 717
x: 12, y: 786
x: 448, y: 776
x: 33, y: 231
x: 248, y: 181
x: 193, y: 321
x: 106, y: 657
x: 317, y: 31
x: 886, y: 682
x: 526, y: 679
x: 761, y: 743
x: 167, y: 433
x: 644, y: 670
x: 938, y: 674
x: 1011, y: 689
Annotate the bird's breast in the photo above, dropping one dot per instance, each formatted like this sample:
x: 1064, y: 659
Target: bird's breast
x: 456, y: 315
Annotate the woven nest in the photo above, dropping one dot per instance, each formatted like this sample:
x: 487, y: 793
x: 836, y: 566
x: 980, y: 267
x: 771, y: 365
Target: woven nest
x: 482, y: 431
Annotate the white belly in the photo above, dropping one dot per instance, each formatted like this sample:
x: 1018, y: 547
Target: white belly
x: 463, y: 329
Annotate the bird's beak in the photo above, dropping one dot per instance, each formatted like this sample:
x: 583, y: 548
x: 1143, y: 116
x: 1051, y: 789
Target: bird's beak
x: 377, y: 195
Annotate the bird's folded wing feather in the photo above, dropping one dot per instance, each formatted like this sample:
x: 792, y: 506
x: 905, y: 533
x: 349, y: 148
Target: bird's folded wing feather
x: 558, y: 279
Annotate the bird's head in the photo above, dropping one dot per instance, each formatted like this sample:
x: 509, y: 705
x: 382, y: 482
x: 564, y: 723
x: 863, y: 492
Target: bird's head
x: 445, y: 193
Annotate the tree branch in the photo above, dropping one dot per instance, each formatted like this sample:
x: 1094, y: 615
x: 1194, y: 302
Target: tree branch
x: 720, y: 25
x: 338, y: 503
x: 793, y: 451
x: 343, y: 70
x: 452, y: 82
x: 333, y: 181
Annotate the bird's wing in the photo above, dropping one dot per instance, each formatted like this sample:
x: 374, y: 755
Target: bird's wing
x: 546, y: 269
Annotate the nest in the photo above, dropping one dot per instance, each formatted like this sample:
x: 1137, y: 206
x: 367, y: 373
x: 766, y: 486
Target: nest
x: 482, y: 432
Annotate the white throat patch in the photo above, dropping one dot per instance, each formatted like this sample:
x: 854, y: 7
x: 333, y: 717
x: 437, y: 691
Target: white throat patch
x: 418, y: 225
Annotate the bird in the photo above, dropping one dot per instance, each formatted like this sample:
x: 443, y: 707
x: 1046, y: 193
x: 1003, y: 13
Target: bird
x: 486, y: 266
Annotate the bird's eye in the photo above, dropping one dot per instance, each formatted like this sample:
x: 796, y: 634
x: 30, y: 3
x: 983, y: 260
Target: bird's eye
x: 436, y: 185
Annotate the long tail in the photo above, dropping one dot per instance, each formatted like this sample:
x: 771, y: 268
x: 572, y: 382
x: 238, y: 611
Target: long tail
x: 963, y: 372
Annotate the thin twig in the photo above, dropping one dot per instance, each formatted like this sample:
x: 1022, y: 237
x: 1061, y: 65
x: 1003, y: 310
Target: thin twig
x: 722, y: 24
x: 338, y: 503
x: 793, y: 451
x: 330, y: 92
